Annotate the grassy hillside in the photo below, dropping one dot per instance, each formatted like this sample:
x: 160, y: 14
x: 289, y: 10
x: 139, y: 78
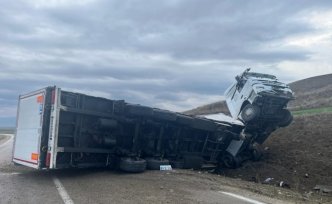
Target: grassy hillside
x: 311, y: 93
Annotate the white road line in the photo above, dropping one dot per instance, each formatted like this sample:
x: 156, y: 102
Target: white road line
x: 241, y: 197
x: 62, y: 191
x: 9, y: 174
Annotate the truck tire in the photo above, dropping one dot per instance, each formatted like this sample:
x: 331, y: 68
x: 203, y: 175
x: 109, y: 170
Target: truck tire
x: 154, y: 164
x: 131, y: 165
x: 250, y: 113
x: 230, y: 162
x: 286, y: 118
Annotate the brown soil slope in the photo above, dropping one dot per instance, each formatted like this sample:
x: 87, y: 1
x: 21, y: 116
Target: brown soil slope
x: 302, y: 148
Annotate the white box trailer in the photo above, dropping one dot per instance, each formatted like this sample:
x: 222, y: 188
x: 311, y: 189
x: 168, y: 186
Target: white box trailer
x: 41, y: 115
x: 61, y: 129
x: 35, y: 141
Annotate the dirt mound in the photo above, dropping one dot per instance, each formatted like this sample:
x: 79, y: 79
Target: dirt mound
x: 299, y: 155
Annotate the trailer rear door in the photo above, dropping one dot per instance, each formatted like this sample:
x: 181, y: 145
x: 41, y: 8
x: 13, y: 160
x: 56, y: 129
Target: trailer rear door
x: 27, y: 145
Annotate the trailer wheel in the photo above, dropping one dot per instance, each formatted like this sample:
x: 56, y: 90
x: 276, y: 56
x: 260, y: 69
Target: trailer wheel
x: 286, y: 118
x: 132, y: 165
x: 231, y: 162
x: 154, y: 164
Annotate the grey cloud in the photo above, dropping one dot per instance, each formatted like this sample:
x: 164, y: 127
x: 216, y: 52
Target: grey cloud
x: 184, y: 29
x: 176, y: 49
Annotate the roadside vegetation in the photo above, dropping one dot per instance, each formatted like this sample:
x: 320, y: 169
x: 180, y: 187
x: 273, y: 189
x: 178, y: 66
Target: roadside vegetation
x: 312, y: 111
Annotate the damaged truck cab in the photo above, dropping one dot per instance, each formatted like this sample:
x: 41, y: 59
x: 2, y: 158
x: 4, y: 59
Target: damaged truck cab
x: 256, y: 96
x: 260, y: 102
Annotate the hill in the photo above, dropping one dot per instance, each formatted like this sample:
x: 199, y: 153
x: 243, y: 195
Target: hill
x: 313, y: 92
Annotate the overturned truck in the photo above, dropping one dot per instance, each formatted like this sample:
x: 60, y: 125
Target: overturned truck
x: 61, y: 129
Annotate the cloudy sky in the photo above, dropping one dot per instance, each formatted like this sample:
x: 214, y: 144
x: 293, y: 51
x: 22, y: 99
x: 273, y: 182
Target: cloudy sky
x: 169, y: 54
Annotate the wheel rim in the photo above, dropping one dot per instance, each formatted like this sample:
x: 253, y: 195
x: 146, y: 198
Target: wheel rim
x: 249, y: 111
x: 228, y: 161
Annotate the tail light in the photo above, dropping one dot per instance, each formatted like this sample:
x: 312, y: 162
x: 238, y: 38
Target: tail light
x: 48, y: 159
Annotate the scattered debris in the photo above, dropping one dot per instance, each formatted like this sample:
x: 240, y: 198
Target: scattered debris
x: 323, y: 188
x: 268, y: 180
x: 306, y: 196
x: 284, y: 184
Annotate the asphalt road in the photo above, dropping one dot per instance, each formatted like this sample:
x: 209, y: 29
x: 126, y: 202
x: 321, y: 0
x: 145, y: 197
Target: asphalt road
x: 23, y: 185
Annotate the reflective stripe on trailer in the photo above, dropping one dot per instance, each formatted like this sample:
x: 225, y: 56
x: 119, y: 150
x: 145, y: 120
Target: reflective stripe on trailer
x: 22, y: 160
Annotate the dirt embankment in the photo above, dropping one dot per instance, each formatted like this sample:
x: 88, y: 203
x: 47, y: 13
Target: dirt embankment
x: 217, y: 107
x: 299, y: 155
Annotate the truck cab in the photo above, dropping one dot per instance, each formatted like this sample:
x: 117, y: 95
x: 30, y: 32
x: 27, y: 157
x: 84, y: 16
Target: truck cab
x: 257, y: 97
